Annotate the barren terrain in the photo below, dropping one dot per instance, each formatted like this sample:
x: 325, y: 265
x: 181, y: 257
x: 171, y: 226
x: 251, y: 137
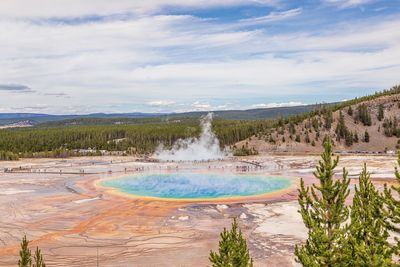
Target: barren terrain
x: 57, y: 204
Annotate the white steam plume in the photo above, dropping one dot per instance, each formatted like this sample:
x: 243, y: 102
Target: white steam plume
x: 206, y: 147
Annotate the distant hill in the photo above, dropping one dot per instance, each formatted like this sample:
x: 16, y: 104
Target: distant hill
x: 137, y: 117
x: 38, y: 118
x: 370, y: 124
x: 33, y: 118
x: 253, y: 114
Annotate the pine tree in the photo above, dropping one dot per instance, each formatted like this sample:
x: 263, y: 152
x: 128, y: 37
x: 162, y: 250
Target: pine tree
x: 392, y: 205
x: 355, y: 138
x: 233, y: 251
x: 341, y: 128
x: 24, y: 254
x: 349, y: 138
x: 381, y: 113
x: 324, y: 212
x: 363, y: 115
x: 368, y: 234
x: 38, y: 260
x: 292, y: 129
x: 328, y: 119
x: 366, y: 136
x: 350, y: 111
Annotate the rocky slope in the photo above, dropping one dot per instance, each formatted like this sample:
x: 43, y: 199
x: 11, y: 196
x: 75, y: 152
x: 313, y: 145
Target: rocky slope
x: 378, y: 115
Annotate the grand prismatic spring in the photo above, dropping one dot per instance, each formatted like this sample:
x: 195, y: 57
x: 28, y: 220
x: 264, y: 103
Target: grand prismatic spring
x: 197, y: 185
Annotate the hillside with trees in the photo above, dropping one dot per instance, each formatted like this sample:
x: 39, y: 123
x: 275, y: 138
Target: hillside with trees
x: 368, y: 124
x: 137, y: 139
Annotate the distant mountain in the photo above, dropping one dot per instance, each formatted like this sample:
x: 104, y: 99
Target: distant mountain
x: 21, y: 115
x: 37, y: 118
x: 135, y: 117
x: 253, y: 114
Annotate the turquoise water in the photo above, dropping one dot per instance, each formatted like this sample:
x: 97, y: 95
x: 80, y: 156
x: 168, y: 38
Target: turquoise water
x: 195, y: 185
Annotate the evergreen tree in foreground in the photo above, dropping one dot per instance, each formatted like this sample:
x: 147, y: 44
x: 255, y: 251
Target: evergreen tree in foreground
x: 368, y: 235
x: 392, y: 204
x: 38, y: 260
x: 233, y: 251
x: 323, y: 209
x: 24, y: 254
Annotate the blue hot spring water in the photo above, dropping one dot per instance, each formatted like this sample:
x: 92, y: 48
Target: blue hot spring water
x: 196, y: 185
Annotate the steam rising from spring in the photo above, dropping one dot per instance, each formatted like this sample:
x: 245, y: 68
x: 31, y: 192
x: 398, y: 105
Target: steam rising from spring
x: 206, y: 147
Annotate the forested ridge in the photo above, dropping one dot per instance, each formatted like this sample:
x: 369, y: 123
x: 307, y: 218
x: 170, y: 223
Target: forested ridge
x: 131, y: 139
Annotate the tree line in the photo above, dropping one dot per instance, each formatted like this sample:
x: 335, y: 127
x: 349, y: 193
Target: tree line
x: 131, y: 139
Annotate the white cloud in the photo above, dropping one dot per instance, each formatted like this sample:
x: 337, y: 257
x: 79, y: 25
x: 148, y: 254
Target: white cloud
x: 143, y: 62
x: 278, y: 105
x: 273, y: 16
x: 199, y: 106
x: 347, y: 3
x: 79, y: 8
x: 161, y: 103
x: 32, y: 108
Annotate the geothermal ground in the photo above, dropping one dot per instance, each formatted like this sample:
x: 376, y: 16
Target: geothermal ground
x: 60, y: 207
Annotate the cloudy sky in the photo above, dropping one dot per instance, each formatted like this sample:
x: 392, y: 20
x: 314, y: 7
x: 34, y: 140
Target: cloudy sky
x: 75, y: 56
